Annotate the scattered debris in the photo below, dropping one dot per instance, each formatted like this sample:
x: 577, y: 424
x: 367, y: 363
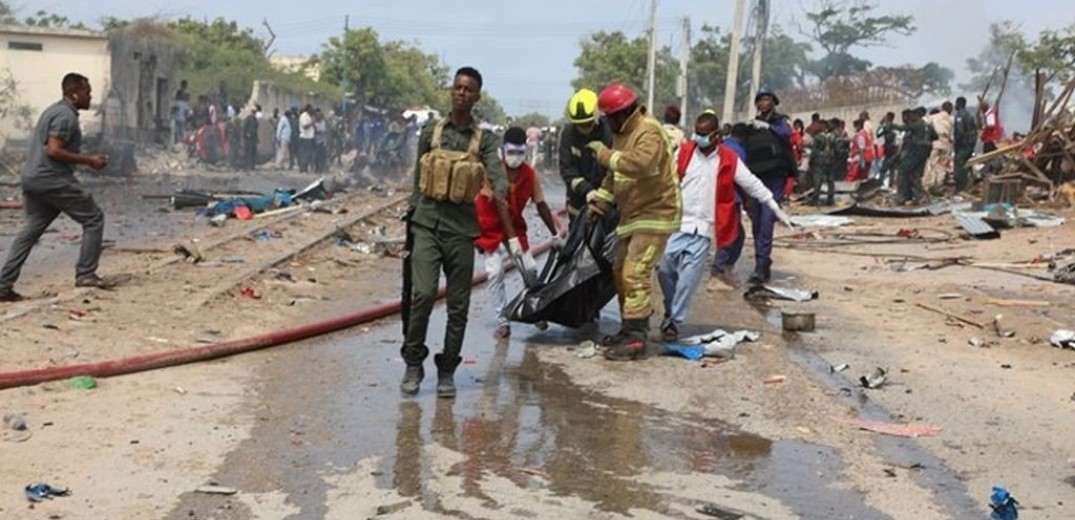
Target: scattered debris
x: 962, y: 319
x: 14, y: 428
x: 249, y: 292
x: 586, y: 350
x: 1063, y: 339
x: 774, y: 380
x: 191, y: 255
x: 976, y: 227
x: 39, y: 492
x: 1017, y: 303
x: 912, y: 431
x: 797, y: 321
x: 875, y: 379
x: 393, y: 508
x: 534, y: 473
x: 978, y: 342
x: 769, y: 292
x: 950, y: 296
x: 1000, y: 329
x: 1003, y: 504
x: 720, y: 512
x: 82, y: 383
x: 718, y: 344
x: 213, y: 489
x: 838, y: 368
x: 1065, y: 274
x: 820, y: 221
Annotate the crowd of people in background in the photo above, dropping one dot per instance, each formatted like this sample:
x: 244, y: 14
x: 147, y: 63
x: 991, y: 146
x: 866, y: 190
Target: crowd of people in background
x: 919, y: 154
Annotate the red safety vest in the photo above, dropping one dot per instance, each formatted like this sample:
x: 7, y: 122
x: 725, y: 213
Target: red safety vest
x: 726, y: 227
x: 519, y: 194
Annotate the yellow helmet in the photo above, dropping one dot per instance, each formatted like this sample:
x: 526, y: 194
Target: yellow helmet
x: 582, y: 108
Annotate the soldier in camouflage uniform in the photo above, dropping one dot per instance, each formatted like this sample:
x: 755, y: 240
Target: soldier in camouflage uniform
x: 822, y: 155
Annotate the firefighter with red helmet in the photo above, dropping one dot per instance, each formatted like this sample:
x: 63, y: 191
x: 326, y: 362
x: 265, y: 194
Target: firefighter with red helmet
x: 643, y: 186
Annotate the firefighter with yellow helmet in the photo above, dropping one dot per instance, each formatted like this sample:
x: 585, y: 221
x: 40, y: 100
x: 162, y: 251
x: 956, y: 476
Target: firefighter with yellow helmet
x: 581, y: 171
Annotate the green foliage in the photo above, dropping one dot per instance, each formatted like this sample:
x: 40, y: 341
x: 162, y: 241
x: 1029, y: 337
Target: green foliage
x: 222, y: 54
x: 11, y: 109
x: 488, y: 109
x: 783, y: 66
x: 532, y: 119
x: 841, y: 25
x: 42, y: 18
x: 610, y: 57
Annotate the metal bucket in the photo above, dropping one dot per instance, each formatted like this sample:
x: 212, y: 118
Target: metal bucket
x: 797, y: 321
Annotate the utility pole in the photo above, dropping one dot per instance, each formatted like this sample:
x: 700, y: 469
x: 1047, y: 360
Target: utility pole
x: 761, y: 17
x: 651, y: 63
x: 733, y: 63
x: 345, y: 83
x: 684, y: 61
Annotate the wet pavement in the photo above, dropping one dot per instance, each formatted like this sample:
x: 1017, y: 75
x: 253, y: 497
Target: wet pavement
x: 325, y: 406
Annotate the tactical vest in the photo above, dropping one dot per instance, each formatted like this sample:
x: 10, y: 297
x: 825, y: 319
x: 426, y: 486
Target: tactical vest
x: 767, y: 153
x: 449, y: 175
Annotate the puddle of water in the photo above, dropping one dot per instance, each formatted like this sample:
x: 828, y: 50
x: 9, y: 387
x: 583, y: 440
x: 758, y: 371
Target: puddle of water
x: 335, y: 402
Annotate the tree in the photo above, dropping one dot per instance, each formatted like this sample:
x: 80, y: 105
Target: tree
x: 1005, y: 41
x: 610, y: 57
x: 489, y: 110
x: 841, y: 25
x: 8, y: 16
x: 532, y: 119
x: 783, y: 66
x: 220, y: 53
x: 913, y: 82
x: 356, y: 63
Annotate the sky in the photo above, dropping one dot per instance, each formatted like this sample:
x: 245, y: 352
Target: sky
x: 526, y: 50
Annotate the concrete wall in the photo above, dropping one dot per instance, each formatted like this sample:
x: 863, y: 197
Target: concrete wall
x: 143, y: 87
x: 38, y: 72
x: 271, y: 96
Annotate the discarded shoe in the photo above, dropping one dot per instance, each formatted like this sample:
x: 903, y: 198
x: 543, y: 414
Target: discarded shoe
x: 39, y: 492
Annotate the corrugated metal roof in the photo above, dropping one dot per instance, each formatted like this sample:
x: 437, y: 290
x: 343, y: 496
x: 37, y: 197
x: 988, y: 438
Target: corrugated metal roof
x: 977, y: 227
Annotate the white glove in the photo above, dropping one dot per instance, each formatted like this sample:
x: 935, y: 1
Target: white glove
x: 759, y: 124
x: 528, y: 262
x: 515, y: 247
x: 780, y: 215
x: 590, y: 196
x: 559, y: 240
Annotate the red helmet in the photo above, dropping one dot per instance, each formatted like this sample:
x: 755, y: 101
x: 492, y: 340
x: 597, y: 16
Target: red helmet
x: 615, y: 98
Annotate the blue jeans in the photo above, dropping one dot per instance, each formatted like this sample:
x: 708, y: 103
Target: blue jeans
x: 763, y: 221
x: 726, y: 257
x: 680, y: 274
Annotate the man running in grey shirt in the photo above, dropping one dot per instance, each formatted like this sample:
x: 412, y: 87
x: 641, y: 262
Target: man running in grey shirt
x: 49, y: 188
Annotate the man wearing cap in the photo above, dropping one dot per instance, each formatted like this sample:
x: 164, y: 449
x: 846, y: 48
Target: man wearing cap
x: 644, y: 187
x: 770, y: 157
x: 579, y: 168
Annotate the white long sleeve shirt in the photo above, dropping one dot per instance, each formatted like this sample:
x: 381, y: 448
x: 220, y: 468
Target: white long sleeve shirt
x: 699, y: 187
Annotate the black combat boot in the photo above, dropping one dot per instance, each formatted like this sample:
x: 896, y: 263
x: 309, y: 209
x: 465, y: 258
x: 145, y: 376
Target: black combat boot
x: 634, y: 344
x: 412, y: 379
x: 446, y: 374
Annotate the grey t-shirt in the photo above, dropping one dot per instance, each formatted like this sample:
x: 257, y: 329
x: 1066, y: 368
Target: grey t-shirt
x: 41, y: 173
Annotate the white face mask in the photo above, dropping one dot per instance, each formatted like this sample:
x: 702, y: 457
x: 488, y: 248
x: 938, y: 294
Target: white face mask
x: 514, y: 160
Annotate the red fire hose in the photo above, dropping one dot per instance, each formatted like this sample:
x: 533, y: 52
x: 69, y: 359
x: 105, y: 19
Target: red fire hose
x: 184, y: 356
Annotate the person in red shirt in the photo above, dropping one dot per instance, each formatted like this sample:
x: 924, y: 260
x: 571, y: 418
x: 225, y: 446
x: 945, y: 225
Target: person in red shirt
x: 992, y: 130
x: 524, y: 187
x: 861, y: 160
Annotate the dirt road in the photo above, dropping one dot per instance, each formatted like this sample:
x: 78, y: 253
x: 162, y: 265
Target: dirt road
x: 318, y: 430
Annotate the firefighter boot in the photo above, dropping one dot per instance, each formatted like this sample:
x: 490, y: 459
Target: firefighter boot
x: 412, y: 379
x: 446, y: 374
x: 634, y: 344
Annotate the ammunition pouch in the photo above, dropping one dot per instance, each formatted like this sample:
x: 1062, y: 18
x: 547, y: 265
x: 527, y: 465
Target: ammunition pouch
x: 449, y: 175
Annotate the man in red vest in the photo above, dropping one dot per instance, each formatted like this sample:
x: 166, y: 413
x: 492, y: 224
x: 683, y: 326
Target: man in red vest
x: 524, y: 186
x: 708, y: 175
